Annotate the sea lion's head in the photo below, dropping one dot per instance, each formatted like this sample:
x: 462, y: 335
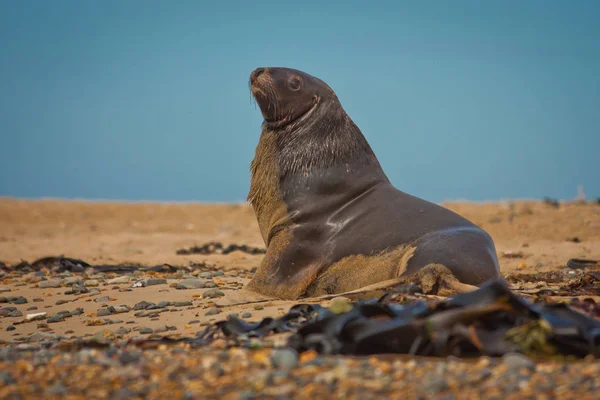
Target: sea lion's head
x: 287, y: 95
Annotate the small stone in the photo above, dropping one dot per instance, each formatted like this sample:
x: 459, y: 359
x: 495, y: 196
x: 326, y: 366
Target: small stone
x: 194, y: 321
x: 118, y: 309
x: 155, y: 281
x: 78, y: 311
x: 103, y: 312
x: 7, y: 379
x: 212, y: 293
x: 36, y: 316
x: 182, y: 304
x: 102, y: 299
x: 56, y: 318
x: 32, y: 308
x: 246, y: 315
x: 284, y: 359
x: 91, y: 283
x: 205, y: 275
x: 516, y: 361
x: 59, y: 302
x: 213, y: 311
x: 4, y: 289
x: 339, y: 305
x: 435, y: 384
x: 19, y: 300
x: 128, y: 357
x: 143, y: 305
x: 191, y: 283
x: 146, y: 331
x: 50, y: 283
x: 119, y: 280
x: 72, y: 280
x: 258, y: 307
x: 10, y: 328
x: 218, y: 273
x: 210, y: 285
x: 57, y: 390
x: 163, y: 304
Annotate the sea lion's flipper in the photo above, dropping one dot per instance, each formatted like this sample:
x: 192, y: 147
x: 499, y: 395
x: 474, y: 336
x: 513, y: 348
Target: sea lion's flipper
x: 434, y: 279
x: 286, y: 270
x: 468, y: 252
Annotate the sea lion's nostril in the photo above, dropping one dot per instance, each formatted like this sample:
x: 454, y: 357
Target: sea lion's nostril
x: 256, y: 73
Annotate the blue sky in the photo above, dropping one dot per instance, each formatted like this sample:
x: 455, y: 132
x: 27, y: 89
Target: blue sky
x: 149, y: 100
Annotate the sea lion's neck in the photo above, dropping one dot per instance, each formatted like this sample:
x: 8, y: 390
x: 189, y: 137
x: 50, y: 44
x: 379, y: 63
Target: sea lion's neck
x: 317, y: 157
x: 329, y: 138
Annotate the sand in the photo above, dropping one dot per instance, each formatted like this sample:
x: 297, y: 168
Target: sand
x: 530, y: 237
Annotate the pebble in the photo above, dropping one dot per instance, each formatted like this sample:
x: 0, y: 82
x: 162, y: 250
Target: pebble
x: 119, y: 280
x: 218, y: 273
x: 59, y: 302
x: 284, y: 359
x: 10, y: 312
x: 4, y: 289
x: 50, y: 283
x: 516, y: 361
x: 155, y: 281
x: 143, y: 305
x: 213, y: 311
x: 128, y: 357
x: 78, y: 311
x: 212, y: 293
x: 205, y: 275
x: 102, y: 299
x: 259, y: 307
x: 56, y: 318
x: 192, y: 283
x: 91, y: 283
x: 36, y: 316
x: 118, y: 309
x: 32, y: 308
x: 339, y: 305
x: 210, y: 285
x: 10, y: 328
x: 103, y: 312
x: 72, y: 280
x: 146, y: 331
x: 6, y: 378
x: 17, y: 300
x: 57, y: 390
x: 246, y: 315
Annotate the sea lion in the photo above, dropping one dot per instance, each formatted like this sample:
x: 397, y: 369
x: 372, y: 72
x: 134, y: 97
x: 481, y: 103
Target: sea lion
x: 330, y: 218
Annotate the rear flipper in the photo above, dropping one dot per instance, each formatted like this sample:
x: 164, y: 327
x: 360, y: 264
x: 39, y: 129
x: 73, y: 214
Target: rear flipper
x: 469, y: 253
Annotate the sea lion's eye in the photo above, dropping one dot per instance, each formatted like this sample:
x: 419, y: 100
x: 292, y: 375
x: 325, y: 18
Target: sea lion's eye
x: 295, y: 83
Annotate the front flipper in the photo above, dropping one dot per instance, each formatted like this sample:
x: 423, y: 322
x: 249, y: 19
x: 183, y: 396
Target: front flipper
x: 287, y: 269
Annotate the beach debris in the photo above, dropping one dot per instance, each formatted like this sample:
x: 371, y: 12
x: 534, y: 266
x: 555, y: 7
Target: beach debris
x: 218, y: 248
x: 579, y: 263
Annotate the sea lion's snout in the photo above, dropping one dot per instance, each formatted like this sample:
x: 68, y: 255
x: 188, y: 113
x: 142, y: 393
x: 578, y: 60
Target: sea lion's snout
x: 255, y: 74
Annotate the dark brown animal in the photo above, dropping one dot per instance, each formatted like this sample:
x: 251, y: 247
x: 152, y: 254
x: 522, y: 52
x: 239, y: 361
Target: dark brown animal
x: 330, y: 218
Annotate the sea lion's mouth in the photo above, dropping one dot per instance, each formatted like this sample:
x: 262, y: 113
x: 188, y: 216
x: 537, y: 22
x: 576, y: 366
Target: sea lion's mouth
x: 288, y: 120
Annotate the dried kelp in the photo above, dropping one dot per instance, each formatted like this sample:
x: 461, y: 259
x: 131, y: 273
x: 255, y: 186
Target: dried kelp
x: 218, y: 248
x: 489, y: 321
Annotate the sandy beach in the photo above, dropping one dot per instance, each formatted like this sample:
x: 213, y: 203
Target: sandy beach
x: 532, y: 237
